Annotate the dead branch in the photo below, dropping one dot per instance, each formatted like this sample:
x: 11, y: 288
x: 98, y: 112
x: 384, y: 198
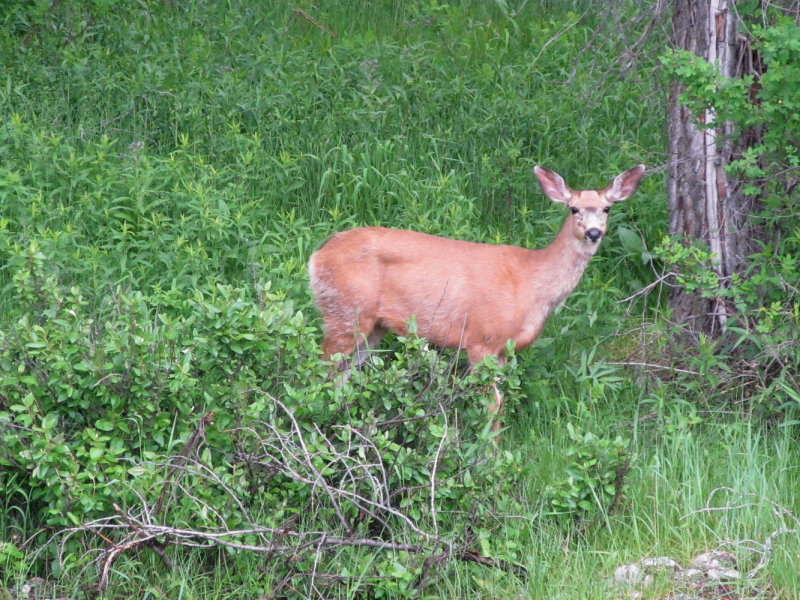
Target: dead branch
x: 342, y: 470
x: 589, y: 45
x: 138, y: 531
x: 652, y: 366
x: 189, y: 449
x: 739, y: 501
x: 620, y: 33
x: 475, y: 557
x: 300, y: 12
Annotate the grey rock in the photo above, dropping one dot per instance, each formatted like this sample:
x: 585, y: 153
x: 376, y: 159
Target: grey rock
x: 715, y: 559
x: 661, y: 561
x: 628, y: 574
x: 691, y: 574
x: 723, y: 574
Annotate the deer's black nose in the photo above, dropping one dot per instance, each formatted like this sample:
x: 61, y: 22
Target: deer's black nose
x: 593, y: 234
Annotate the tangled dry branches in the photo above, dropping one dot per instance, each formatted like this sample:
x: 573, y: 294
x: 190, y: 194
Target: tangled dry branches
x: 342, y: 472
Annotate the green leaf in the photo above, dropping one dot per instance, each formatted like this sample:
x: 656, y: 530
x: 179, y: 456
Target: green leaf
x: 50, y: 421
x: 631, y: 241
x: 104, y: 425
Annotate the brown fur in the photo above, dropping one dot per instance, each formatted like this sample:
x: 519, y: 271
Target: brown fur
x: 464, y: 295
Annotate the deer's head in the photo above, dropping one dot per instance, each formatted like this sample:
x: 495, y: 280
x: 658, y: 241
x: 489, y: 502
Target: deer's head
x: 589, y: 209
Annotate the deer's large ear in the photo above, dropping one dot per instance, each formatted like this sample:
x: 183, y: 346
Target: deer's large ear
x: 553, y: 185
x: 624, y: 185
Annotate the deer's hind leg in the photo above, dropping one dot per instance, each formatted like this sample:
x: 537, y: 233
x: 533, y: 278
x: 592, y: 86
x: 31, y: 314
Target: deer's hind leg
x: 368, y: 343
x: 496, y: 409
x: 356, y: 342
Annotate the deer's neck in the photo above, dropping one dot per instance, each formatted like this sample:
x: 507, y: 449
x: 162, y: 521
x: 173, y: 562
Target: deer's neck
x: 563, y: 263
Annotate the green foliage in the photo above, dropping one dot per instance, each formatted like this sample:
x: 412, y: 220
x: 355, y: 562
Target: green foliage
x: 97, y: 403
x: 86, y: 395
x: 764, y: 299
x: 69, y: 19
x: 594, y: 475
x: 766, y: 319
x: 212, y: 126
x: 692, y: 265
x: 10, y: 556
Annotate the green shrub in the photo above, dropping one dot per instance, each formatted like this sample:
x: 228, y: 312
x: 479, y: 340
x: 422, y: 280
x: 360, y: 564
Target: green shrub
x: 100, y: 410
x: 595, y: 475
x: 85, y: 391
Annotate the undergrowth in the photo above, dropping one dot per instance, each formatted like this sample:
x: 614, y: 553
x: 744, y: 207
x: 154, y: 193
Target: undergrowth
x: 167, y: 169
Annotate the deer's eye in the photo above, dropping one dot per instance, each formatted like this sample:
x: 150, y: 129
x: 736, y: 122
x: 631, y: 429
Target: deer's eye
x: 574, y: 210
x: 606, y: 209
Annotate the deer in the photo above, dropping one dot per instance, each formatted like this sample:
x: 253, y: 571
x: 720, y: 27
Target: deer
x: 368, y: 281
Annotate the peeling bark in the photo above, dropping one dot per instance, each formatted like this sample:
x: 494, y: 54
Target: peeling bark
x: 703, y: 204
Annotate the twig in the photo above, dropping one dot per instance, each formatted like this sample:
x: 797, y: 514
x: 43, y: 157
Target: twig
x: 744, y: 501
x: 398, y: 421
x: 35, y: 28
x: 647, y: 288
x: 652, y: 366
x: 156, y: 547
x: 112, y: 556
x: 433, y: 473
x: 106, y: 377
x: 619, y: 481
x: 310, y: 19
x: 473, y: 556
x: 586, y: 47
x: 187, y: 450
x: 519, y: 10
x: 558, y: 34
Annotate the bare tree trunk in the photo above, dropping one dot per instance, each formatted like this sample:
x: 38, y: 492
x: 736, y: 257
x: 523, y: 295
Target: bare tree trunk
x: 703, y: 204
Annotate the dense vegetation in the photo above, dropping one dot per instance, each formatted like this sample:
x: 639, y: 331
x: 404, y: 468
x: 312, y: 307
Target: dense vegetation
x: 166, y: 171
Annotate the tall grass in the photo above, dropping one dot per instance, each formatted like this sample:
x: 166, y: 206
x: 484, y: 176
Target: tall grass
x: 163, y: 146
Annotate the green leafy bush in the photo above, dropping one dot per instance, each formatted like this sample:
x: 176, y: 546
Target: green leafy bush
x: 595, y: 475
x: 100, y: 408
x: 85, y: 392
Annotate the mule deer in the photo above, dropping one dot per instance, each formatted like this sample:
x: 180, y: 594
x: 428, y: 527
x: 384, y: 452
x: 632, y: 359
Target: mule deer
x: 371, y: 280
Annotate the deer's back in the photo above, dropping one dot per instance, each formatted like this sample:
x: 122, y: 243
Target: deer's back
x: 453, y: 288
